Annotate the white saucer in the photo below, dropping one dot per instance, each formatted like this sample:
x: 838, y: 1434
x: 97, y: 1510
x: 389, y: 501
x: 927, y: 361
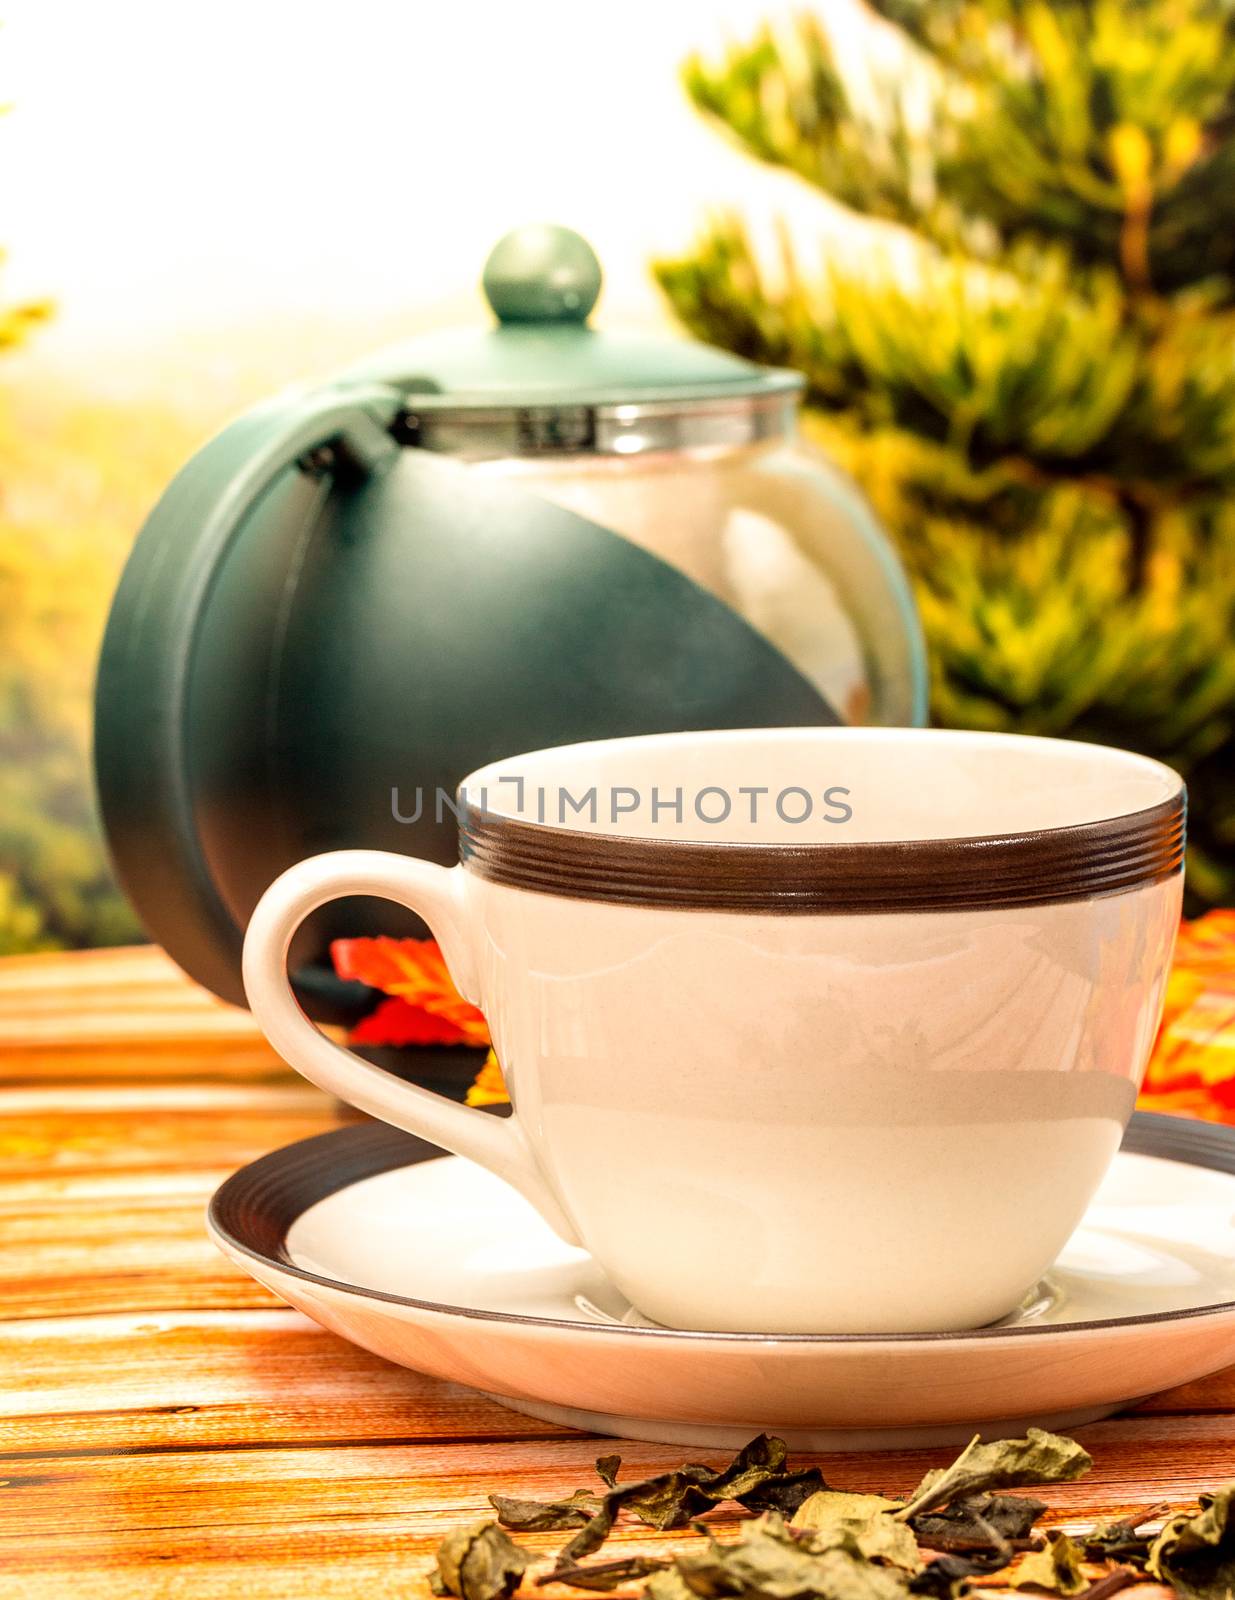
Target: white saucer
x: 435, y: 1264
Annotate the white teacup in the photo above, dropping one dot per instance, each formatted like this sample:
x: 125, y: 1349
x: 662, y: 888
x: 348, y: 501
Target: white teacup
x: 823, y: 1030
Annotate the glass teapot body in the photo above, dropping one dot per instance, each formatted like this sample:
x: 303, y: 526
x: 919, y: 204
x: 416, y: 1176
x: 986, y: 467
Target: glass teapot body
x: 780, y: 535
x: 690, y: 452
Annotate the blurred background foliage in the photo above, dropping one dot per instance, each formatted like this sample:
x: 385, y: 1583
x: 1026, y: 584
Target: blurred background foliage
x: 54, y: 884
x: 1031, y: 367
x: 77, y: 480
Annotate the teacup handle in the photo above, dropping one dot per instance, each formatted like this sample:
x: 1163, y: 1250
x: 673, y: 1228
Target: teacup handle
x: 437, y: 894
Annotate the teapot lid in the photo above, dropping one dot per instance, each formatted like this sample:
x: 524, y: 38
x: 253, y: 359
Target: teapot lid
x: 543, y: 380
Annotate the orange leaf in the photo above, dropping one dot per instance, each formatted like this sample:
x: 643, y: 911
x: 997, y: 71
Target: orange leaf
x: 1192, y: 1069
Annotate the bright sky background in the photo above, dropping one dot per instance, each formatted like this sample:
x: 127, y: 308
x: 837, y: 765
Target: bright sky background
x: 268, y: 162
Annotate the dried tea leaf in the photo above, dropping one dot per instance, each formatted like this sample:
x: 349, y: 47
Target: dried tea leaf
x: 860, y: 1524
x: 1195, y: 1552
x: 1004, y: 1464
x: 756, y: 1478
x: 784, y: 1491
x: 947, y: 1577
x: 825, y: 1506
x: 1056, y: 1569
x: 993, y: 1524
x: 608, y: 1468
x: 545, y: 1516
x: 878, y: 1539
x: 478, y: 1563
x: 669, y: 1501
x: 591, y: 1536
x: 1122, y: 1540
x: 606, y: 1575
x: 766, y: 1562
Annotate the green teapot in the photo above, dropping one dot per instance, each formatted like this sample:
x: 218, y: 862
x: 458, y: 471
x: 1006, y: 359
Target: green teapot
x: 466, y: 546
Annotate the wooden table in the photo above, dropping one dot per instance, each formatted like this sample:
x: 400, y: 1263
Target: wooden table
x: 169, y: 1430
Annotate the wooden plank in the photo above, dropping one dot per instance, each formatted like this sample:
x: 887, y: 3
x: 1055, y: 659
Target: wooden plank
x: 103, y: 1190
x: 55, y: 1133
x: 184, y: 1381
x: 67, y: 972
x: 347, y: 1520
x: 140, y: 983
x: 125, y: 1257
x: 128, y: 1013
x: 185, y: 1059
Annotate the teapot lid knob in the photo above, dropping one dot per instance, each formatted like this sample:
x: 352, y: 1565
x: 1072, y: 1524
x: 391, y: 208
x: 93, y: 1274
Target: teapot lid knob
x: 542, y: 273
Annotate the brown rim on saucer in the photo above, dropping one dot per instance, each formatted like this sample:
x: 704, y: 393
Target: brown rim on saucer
x: 254, y: 1210
x: 1039, y: 867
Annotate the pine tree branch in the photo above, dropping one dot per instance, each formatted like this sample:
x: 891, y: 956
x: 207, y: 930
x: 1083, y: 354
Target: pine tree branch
x: 1098, y: 126
x: 1103, y: 129
x: 785, y: 101
x: 1035, y: 361
x: 1035, y: 615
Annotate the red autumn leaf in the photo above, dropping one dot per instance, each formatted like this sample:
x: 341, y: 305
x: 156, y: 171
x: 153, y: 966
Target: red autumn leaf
x: 396, y: 1023
x: 413, y: 972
